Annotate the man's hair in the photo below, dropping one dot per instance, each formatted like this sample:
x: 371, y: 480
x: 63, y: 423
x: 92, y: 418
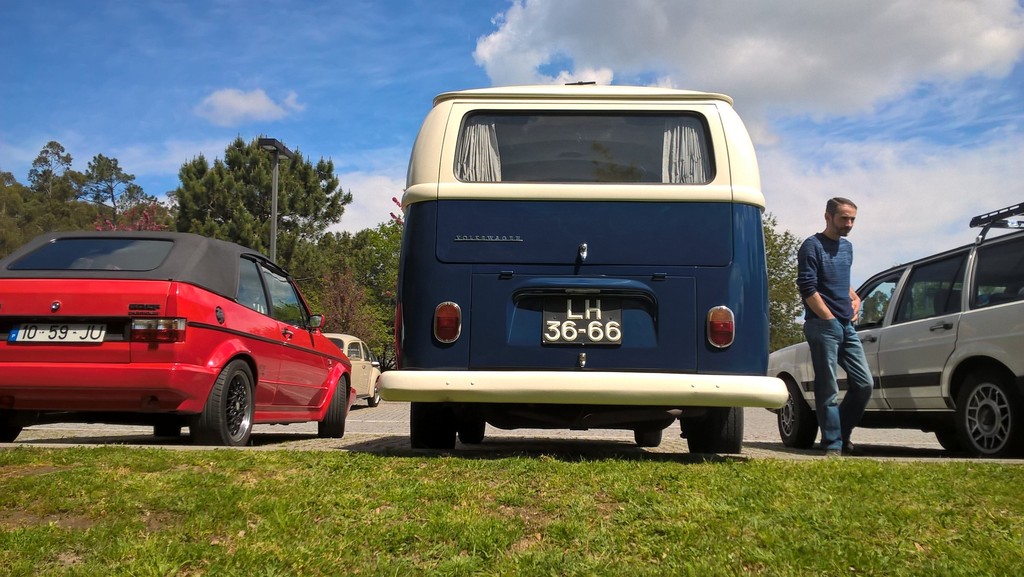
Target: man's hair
x: 833, y: 204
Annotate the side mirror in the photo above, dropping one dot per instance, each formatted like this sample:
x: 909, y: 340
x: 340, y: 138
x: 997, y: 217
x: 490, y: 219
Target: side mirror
x: 376, y: 364
x: 316, y: 321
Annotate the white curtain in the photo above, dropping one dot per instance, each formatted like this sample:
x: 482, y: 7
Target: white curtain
x: 682, y: 158
x: 477, y: 159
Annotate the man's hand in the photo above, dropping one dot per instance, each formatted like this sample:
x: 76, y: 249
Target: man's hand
x: 817, y: 304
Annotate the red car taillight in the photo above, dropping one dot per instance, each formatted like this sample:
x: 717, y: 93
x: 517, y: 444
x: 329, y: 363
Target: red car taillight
x: 158, y: 330
x: 721, y: 327
x: 447, y: 322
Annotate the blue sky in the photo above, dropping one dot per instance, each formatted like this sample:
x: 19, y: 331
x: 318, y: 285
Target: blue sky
x: 913, y: 108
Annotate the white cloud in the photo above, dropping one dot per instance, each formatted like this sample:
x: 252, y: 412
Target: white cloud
x: 913, y: 200
x: 291, y: 102
x: 231, y: 107
x: 598, y: 76
x: 850, y: 75
x: 797, y: 55
x: 371, y: 200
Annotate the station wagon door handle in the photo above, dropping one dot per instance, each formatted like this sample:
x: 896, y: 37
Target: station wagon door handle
x: 941, y: 326
x: 287, y: 334
x: 869, y: 338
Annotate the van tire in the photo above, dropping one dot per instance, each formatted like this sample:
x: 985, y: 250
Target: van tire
x: 989, y: 416
x: 720, y: 430
x: 471, y: 432
x: 431, y: 426
x: 798, y: 426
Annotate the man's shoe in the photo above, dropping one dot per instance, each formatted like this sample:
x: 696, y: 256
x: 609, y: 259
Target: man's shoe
x: 850, y: 450
x: 833, y: 453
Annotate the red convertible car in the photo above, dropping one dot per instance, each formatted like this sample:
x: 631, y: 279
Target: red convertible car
x: 163, y: 329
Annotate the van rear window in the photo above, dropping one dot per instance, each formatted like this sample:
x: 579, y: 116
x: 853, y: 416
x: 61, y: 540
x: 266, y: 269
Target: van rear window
x: 560, y: 147
x: 96, y: 254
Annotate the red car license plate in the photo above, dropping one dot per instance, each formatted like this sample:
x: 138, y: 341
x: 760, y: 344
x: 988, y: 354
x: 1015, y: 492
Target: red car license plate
x: 58, y: 333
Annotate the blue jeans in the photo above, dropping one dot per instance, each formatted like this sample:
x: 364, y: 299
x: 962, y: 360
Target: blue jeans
x: 835, y: 343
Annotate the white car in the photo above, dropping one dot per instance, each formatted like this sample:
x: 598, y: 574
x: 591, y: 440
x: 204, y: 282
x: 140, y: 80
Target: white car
x: 944, y: 336
x: 365, y: 366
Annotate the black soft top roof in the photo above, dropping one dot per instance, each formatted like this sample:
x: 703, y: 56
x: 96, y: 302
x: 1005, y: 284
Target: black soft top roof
x: 205, y: 262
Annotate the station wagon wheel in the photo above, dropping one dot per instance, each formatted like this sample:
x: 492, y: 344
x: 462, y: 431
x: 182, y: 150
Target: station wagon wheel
x: 227, y: 417
x: 948, y: 439
x: 333, y: 425
x: 989, y: 416
x: 798, y: 426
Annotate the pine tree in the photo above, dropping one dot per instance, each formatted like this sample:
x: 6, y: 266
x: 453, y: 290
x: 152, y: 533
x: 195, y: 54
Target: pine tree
x: 231, y: 200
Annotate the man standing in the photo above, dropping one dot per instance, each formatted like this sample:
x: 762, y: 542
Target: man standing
x: 831, y: 306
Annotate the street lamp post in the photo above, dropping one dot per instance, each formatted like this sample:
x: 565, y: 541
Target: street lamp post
x: 278, y: 148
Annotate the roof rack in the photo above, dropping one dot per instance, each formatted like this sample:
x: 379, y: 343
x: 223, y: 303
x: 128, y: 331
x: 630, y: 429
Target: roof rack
x: 998, y: 219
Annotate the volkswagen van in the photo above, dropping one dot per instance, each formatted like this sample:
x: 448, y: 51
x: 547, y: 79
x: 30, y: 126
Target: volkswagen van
x: 582, y: 257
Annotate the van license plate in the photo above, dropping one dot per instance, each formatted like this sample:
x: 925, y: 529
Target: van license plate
x: 582, y: 320
x: 58, y: 333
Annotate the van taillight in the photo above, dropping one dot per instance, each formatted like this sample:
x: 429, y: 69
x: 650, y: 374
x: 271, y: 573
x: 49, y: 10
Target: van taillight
x: 721, y: 327
x: 447, y: 322
x: 158, y: 330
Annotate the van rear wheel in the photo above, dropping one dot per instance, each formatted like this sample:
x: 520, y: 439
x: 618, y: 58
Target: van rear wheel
x: 471, y: 431
x: 720, y: 430
x: 431, y: 426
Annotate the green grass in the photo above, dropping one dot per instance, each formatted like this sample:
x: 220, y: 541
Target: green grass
x: 127, y: 511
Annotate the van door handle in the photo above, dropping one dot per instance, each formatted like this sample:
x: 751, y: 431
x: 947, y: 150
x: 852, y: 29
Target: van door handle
x: 287, y: 334
x: 869, y: 339
x: 941, y: 326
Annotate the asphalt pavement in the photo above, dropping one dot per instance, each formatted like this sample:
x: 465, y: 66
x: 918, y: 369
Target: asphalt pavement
x: 385, y: 429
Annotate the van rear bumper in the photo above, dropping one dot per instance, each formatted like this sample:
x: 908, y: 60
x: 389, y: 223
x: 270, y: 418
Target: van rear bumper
x: 583, y: 388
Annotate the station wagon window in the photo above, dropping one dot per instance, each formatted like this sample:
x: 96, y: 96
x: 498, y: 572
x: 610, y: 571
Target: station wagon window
x: 128, y: 254
x: 285, y: 305
x: 999, y: 276
x: 875, y: 301
x: 933, y: 289
x: 250, y: 287
x: 560, y: 147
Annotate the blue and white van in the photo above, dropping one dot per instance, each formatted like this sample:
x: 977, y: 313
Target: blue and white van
x: 582, y: 257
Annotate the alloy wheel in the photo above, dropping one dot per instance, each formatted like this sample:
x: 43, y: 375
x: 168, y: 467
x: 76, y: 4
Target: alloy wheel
x: 988, y: 418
